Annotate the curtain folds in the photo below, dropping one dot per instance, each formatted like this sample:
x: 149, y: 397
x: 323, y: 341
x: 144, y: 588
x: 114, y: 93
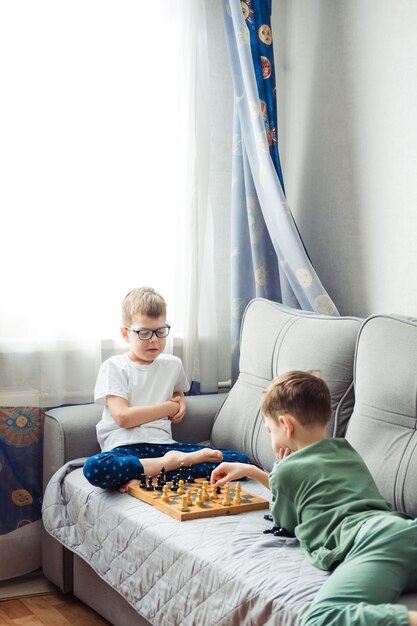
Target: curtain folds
x: 195, y: 274
x: 268, y: 256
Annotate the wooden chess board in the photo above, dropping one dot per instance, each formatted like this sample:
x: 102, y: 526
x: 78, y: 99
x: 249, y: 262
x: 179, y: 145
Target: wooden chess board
x: 208, y: 508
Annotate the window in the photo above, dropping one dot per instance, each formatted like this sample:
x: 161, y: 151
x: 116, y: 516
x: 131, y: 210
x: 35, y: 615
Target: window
x: 90, y: 157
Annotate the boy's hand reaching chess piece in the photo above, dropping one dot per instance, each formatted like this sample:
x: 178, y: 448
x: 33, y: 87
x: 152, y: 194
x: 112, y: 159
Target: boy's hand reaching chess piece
x: 229, y: 472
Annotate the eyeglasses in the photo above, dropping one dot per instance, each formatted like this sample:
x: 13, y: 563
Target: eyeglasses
x: 146, y: 335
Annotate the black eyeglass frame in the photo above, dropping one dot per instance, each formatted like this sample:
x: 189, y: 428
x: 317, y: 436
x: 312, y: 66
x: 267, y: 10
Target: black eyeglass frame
x: 150, y: 333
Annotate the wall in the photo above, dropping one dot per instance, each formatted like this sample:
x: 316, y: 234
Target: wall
x: 347, y: 94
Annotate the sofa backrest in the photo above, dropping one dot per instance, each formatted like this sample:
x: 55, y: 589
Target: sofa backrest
x: 275, y: 339
x: 383, y: 425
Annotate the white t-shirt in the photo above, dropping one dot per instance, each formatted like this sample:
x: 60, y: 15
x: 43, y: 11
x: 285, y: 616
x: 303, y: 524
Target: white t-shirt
x: 140, y: 385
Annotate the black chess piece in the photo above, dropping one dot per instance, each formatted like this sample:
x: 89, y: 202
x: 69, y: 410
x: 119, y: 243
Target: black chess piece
x: 161, y: 479
x: 181, y: 472
x: 175, y: 480
x: 282, y: 532
x: 277, y: 531
x: 142, y: 481
x: 190, y: 478
x: 150, y: 486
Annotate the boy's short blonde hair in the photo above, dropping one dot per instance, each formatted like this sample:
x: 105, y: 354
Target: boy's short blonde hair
x: 142, y: 301
x: 305, y: 395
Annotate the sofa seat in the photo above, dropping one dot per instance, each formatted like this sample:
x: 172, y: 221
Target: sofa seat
x: 222, y: 570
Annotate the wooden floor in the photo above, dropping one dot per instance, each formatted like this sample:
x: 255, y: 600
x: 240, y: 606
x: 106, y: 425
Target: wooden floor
x: 52, y: 609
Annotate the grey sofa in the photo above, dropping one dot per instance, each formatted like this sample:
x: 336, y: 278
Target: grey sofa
x: 135, y: 565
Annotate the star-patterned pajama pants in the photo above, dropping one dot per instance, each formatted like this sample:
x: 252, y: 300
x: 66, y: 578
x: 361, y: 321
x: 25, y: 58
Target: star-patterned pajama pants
x: 114, y: 468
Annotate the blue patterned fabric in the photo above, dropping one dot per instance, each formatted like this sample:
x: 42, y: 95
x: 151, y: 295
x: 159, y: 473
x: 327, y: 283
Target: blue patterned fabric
x: 115, y: 467
x: 269, y: 259
x: 21, y: 447
x: 257, y: 14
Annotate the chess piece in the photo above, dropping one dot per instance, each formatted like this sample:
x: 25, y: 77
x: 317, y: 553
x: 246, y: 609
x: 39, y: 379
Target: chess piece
x: 181, y: 471
x: 189, y: 497
x: 181, y: 489
x: 226, y: 494
x: 174, y: 486
x: 204, y: 491
x: 190, y: 477
x: 213, y: 493
x: 163, y: 476
x: 165, y: 494
x: 143, y: 481
x: 282, y: 532
x: 237, y: 499
x: 159, y: 482
x: 149, y: 486
x: 184, y: 505
x: 199, y: 500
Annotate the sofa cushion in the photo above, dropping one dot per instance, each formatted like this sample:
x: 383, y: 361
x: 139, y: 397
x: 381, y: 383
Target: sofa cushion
x: 275, y: 339
x: 214, y: 571
x: 383, y: 424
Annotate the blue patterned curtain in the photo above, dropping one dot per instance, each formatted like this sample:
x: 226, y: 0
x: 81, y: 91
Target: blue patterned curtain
x: 21, y: 446
x: 269, y: 259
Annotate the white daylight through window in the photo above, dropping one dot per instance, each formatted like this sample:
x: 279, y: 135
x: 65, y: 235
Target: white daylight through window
x: 93, y: 155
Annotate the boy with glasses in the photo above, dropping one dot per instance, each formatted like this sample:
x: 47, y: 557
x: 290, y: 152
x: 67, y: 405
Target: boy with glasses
x: 323, y: 493
x: 142, y: 393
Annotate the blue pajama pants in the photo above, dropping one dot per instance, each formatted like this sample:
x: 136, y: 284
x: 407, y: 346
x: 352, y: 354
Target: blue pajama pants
x: 116, y: 467
x: 379, y: 567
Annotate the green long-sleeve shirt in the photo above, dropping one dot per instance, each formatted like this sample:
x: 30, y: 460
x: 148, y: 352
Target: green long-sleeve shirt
x: 322, y: 494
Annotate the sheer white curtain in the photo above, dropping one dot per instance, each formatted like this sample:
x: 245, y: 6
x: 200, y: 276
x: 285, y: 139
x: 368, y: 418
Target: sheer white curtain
x: 104, y: 155
x: 196, y: 276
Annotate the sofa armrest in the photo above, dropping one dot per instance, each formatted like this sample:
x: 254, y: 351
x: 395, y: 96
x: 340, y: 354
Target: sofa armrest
x: 198, y: 422
x: 70, y: 433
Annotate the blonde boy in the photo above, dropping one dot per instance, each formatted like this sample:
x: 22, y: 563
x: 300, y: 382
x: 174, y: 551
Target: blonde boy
x: 142, y: 394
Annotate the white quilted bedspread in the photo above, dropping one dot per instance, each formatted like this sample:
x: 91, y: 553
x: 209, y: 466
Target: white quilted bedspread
x: 212, y: 572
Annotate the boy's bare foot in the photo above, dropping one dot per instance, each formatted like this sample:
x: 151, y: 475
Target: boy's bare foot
x: 174, y: 458
x: 130, y: 483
